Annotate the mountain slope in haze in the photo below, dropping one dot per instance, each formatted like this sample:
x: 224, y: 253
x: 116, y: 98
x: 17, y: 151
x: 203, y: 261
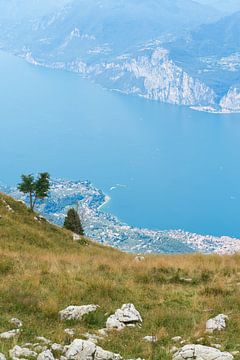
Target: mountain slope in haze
x: 25, y: 9
x: 227, y: 7
x: 110, y: 24
x: 42, y: 271
x: 131, y: 47
x: 213, y: 53
x: 109, y: 41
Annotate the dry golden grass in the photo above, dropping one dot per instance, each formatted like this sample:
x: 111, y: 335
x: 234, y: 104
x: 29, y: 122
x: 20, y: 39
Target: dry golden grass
x: 42, y: 271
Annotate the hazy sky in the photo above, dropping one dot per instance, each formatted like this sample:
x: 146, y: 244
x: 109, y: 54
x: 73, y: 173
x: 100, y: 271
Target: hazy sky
x: 25, y: 8
x: 14, y: 9
x: 224, y: 5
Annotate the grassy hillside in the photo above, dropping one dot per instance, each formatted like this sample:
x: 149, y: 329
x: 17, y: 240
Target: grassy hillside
x: 42, y: 271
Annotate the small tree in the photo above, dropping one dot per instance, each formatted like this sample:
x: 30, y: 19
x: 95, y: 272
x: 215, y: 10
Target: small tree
x: 37, y: 189
x: 73, y: 223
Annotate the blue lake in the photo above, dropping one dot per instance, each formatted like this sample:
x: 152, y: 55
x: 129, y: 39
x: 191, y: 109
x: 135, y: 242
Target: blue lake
x: 165, y: 167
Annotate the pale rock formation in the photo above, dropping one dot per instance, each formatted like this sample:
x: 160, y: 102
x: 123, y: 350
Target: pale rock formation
x: 70, y: 332
x: 87, y: 350
x: 102, y: 332
x: 127, y: 315
x: 57, y: 347
x: 139, y: 258
x: 76, y: 312
x: 177, y: 338
x: 231, y: 101
x: 201, y: 352
x: 45, y: 355
x: 20, y: 352
x: 9, y: 334
x: 76, y: 237
x: 2, y: 356
x: 217, y: 323
x: 40, y: 348
x: 150, y: 339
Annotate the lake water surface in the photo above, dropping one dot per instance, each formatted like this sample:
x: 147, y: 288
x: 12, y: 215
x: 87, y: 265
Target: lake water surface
x: 164, y: 166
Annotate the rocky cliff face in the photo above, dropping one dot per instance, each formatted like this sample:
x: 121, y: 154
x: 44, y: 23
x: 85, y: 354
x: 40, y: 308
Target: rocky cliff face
x: 231, y: 101
x: 153, y: 75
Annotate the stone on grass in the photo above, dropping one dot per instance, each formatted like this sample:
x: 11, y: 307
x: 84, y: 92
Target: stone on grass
x: 217, y: 323
x: 76, y: 312
x: 76, y: 237
x: 114, y: 323
x: 21, y: 352
x: 87, y: 350
x: 70, y: 332
x: 2, y: 356
x: 40, y: 348
x: 101, y: 354
x: 16, y: 322
x: 102, y: 332
x: 177, y: 338
x: 201, y: 352
x: 57, y: 347
x: 235, y: 353
x: 127, y: 315
x: 139, y: 258
x: 45, y: 355
x: 9, y: 334
x: 150, y: 339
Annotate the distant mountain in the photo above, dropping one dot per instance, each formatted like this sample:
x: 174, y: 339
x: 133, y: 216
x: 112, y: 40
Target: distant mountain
x: 22, y: 9
x: 212, y: 53
x: 227, y: 7
x: 144, y: 47
x: 109, y: 24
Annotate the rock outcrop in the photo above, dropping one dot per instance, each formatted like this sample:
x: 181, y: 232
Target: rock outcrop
x: 201, y: 352
x: 231, y: 101
x: 217, y: 323
x: 86, y: 350
x: 150, y: 339
x: 9, y: 334
x: 126, y: 316
x: 76, y: 312
x: 45, y: 355
x: 21, y: 352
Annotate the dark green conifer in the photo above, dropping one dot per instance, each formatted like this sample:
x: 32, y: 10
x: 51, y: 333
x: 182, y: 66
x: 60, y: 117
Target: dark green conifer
x: 73, y: 223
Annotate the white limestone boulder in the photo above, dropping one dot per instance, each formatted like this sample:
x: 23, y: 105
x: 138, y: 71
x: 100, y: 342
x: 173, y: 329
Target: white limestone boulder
x: 21, y: 352
x: 9, y: 334
x: 126, y: 316
x: 177, y: 338
x: 101, y: 354
x: 139, y: 258
x: 57, y: 347
x: 217, y: 323
x: 70, y: 332
x: 151, y: 339
x: 201, y: 352
x: 77, y: 312
x: 114, y: 323
x: 2, y: 356
x: 46, y: 355
x: 87, y: 350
